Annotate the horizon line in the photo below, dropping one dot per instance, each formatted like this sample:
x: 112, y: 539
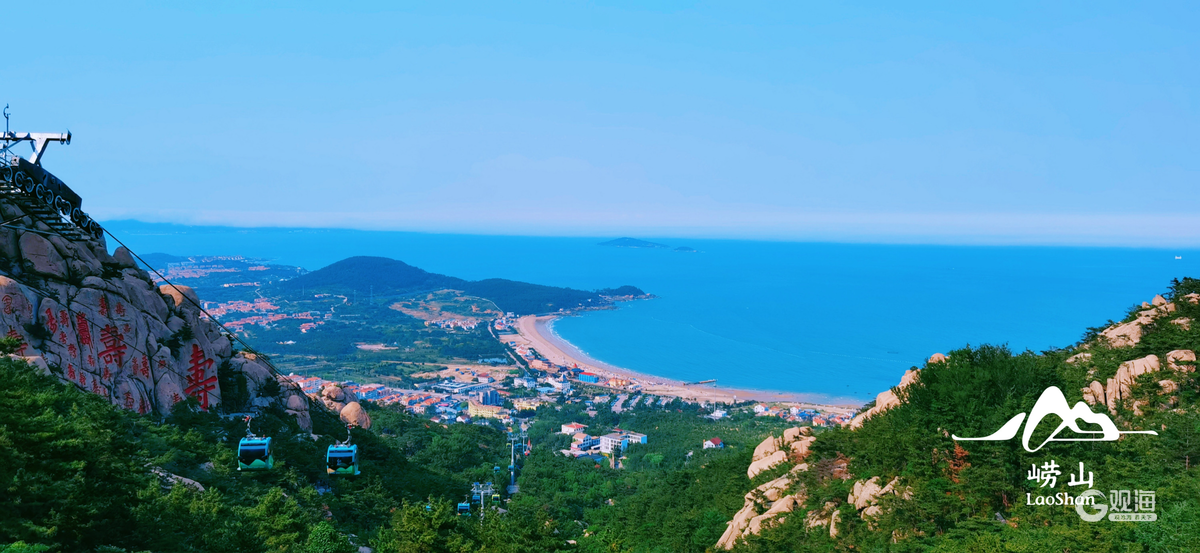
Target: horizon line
x: 827, y: 237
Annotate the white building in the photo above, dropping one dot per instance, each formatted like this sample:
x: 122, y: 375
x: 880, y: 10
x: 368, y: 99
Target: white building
x: 572, y: 429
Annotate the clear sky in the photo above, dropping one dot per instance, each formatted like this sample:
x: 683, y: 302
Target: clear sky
x: 946, y: 123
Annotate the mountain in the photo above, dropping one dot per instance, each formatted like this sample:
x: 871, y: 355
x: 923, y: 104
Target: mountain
x: 939, y: 462
x: 632, y: 243
x: 388, y: 277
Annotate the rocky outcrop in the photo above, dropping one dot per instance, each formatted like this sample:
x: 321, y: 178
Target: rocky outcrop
x: 354, y: 415
x: 343, y: 403
x: 888, y: 399
x: 766, y: 463
x: 866, y: 494
x: 1130, y: 333
x: 770, y: 453
x: 99, y: 323
x: 827, y: 515
x: 1118, y: 388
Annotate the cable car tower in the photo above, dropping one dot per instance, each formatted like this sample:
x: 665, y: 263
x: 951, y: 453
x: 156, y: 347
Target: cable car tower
x: 25, y: 182
x: 516, y: 441
x: 481, y: 492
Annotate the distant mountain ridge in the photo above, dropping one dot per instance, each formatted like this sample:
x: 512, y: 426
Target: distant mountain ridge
x: 382, y: 276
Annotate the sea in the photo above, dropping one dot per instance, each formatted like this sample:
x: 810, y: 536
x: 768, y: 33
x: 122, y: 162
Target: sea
x: 836, y: 322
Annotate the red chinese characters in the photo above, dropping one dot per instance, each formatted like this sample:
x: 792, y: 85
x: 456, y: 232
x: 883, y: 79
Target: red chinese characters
x: 70, y: 372
x: 63, y: 321
x: 85, y: 331
x: 12, y: 333
x: 8, y: 308
x: 144, y: 370
x: 119, y: 309
x: 199, y: 383
x: 129, y: 401
x: 51, y: 321
x: 103, y: 306
x: 114, y: 345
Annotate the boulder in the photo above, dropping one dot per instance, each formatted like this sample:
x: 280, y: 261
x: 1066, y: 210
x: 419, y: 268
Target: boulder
x: 888, y: 399
x: 765, y: 463
x: 864, y: 493
x: 1119, y: 385
x: 303, y: 418
x: 1094, y: 393
x: 1079, y: 358
x: 123, y: 258
x: 1159, y: 300
x: 1183, y: 322
x: 333, y: 392
x: 297, y: 403
x: 354, y: 415
x: 1130, y: 333
x: 42, y: 255
x: 790, y: 435
x: 1182, y: 360
x: 936, y: 358
x: 180, y: 293
x: 767, y: 447
x: 800, y: 448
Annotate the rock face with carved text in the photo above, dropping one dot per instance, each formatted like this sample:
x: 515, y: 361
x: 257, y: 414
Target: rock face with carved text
x: 100, y: 323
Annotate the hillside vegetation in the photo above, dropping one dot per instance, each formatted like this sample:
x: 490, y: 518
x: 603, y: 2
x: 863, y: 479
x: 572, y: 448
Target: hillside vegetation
x: 972, y: 496
x: 385, y: 277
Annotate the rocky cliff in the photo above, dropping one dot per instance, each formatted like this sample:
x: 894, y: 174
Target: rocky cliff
x: 98, y: 321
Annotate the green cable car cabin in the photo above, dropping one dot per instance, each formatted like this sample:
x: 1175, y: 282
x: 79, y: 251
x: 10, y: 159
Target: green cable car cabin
x: 342, y: 459
x: 254, y: 453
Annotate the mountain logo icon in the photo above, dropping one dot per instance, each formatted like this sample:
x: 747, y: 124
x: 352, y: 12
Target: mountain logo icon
x: 1053, y: 402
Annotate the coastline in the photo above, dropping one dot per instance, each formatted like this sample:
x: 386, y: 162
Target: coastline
x: 538, y: 331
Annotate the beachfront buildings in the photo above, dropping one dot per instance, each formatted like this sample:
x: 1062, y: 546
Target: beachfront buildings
x: 714, y: 443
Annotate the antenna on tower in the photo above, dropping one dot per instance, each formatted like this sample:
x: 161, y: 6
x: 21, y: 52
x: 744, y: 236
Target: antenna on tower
x: 6, y: 124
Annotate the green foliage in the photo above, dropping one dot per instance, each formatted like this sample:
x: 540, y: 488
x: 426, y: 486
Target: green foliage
x: 962, y: 490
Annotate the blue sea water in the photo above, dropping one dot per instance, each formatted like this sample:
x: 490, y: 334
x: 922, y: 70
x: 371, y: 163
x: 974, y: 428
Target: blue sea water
x: 840, y: 320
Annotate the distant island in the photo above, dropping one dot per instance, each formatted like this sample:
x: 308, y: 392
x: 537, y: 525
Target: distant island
x: 632, y: 243
x: 685, y: 249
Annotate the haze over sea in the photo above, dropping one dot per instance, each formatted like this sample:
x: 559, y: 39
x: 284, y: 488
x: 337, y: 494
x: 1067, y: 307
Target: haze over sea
x: 843, y: 321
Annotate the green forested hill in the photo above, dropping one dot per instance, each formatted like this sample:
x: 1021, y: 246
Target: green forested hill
x: 972, y: 496
x: 388, y: 277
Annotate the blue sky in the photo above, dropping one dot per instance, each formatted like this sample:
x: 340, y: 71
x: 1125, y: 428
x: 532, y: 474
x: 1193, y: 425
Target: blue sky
x: 945, y: 123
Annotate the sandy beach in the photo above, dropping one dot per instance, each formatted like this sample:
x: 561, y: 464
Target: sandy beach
x: 536, y: 332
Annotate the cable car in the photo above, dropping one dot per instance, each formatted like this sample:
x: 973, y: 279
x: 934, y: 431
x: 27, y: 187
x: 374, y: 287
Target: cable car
x: 464, y: 509
x: 496, y: 497
x: 342, y: 459
x: 254, y: 453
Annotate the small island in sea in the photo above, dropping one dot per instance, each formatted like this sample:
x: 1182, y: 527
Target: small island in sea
x: 627, y: 242
x: 685, y: 249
